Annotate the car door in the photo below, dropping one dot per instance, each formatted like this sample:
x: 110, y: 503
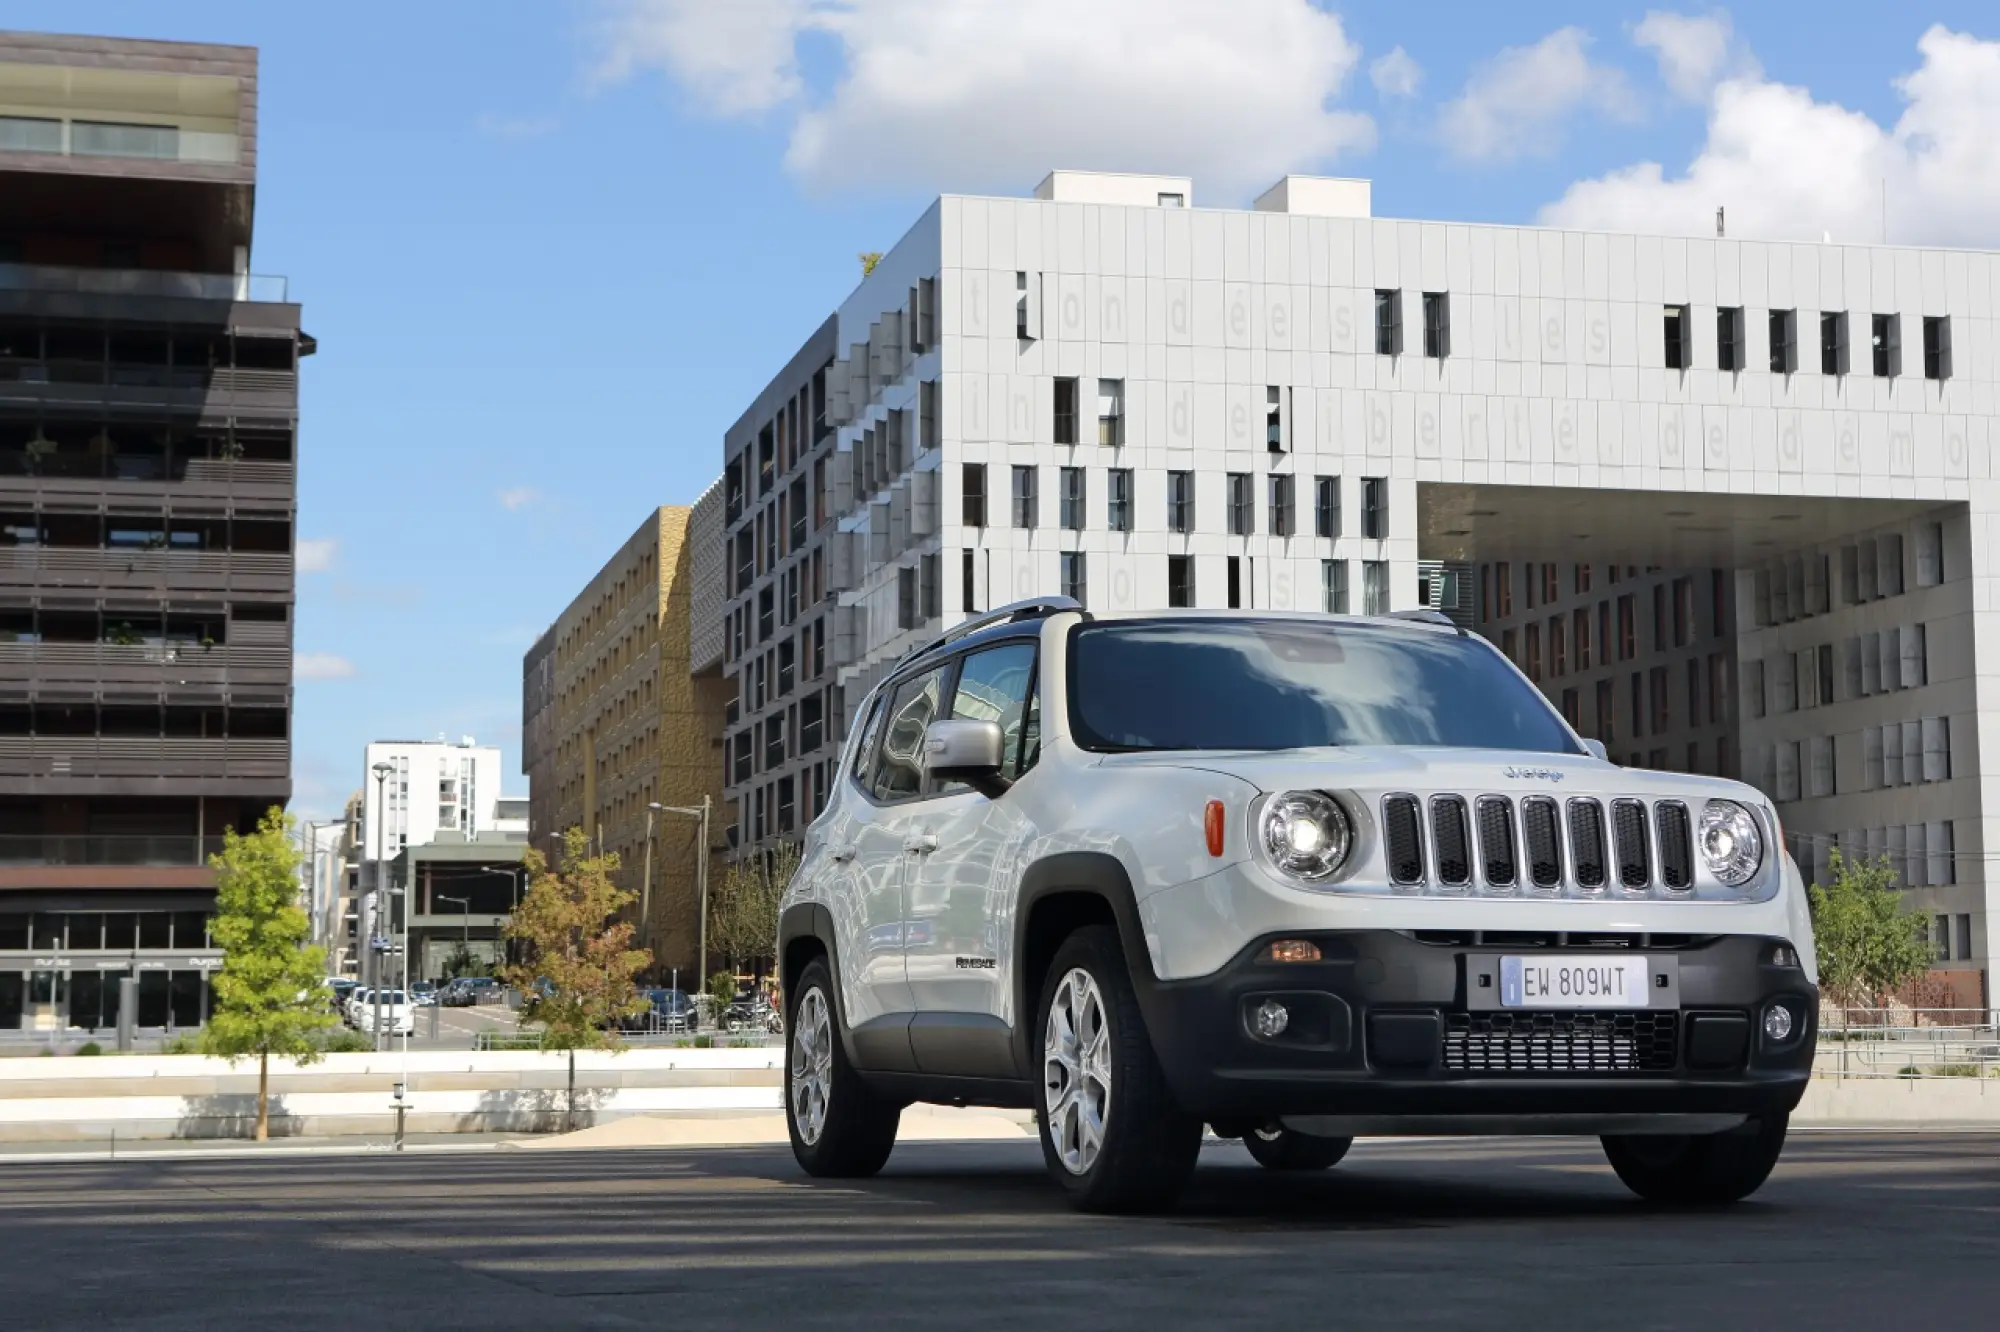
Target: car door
x: 961, y: 883
x: 876, y: 846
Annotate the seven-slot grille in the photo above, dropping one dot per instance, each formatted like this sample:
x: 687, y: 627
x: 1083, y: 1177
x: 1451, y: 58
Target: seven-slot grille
x: 1538, y: 845
x: 1561, y: 1042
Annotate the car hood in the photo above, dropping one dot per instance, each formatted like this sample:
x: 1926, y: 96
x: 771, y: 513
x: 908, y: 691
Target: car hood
x: 1418, y: 769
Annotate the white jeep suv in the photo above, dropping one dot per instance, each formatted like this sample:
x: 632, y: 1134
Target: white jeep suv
x: 1297, y: 877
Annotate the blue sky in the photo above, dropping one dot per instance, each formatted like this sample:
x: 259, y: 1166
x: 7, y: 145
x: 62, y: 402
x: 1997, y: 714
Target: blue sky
x: 550, y: 250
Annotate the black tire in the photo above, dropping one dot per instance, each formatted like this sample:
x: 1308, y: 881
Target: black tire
x: 1279, y: 1148
x: 858, y: 1128
x: 1149, y: 1145
x: 1699, y: 1170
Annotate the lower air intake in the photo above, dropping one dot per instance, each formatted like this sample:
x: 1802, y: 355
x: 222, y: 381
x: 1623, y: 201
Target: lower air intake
x: 1516, y: 1043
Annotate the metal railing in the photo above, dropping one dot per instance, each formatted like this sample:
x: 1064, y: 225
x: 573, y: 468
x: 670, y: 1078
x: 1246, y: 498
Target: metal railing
x: 107, y: 849
x: 143, y: 282
x: 1913, y: 1043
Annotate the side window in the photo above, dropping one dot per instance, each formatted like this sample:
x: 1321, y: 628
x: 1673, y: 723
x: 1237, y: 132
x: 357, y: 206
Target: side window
x: 864, y: 748
x: 993, y: 686
x: 899, y: 773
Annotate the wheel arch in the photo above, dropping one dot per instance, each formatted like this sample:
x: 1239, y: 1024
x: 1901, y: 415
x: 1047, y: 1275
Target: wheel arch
x: 805, y: 932
x: 1060, y: 894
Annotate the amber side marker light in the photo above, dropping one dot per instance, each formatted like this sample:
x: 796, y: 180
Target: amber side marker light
x: 1211, y: 823
x: 1293, y: 950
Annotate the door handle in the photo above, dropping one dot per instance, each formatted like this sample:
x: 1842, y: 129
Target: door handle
x: 839, y: 853
x: 922, y: 844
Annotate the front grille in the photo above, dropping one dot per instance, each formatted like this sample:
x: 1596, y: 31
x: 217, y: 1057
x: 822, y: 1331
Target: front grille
x: 1403, y: 840
x: 1586, y: 843
x: 1561, y: 1042
x: 1537, y: 845
x: 1538, y: 829
x: 1676, y: 845
x: 1496, y: 840
x: 1628, y: 828
x: 1449, y: 841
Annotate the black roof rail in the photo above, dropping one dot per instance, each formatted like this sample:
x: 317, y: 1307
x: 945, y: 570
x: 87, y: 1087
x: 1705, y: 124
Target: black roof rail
x: 1029, y: 609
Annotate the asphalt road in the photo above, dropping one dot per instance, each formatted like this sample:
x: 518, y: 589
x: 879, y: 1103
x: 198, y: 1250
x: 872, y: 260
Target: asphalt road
x: 1854, y: 1231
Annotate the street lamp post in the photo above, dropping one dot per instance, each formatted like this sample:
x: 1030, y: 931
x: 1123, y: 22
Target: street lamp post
x: 465, y: 920
x: 381, y: 771
x: 700, y: 872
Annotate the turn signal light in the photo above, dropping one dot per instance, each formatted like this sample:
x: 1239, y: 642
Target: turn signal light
x: 1293, y: 950
x: 1211, y: 822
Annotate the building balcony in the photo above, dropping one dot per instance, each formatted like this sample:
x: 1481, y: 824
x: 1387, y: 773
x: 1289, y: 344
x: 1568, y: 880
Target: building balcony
x: 57, y: 136
x: 45, y: 849
x: 30, y: 664
x: 252, y: 287
x: 151, y: 571
x: 89, y: 756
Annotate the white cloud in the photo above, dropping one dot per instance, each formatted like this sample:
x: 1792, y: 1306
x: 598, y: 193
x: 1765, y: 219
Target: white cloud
x: 321, y: 666
x: 1785, y: 165
x: 316, y: 554
x: 519, y: 497
x: 1694, y: 51
x: 994, y: 93
x: 734, y: 57
x: 1514, y: 104
x: 1396, y: 74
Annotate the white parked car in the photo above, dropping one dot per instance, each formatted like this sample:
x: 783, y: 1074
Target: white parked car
x: 398, y: 1014
x: 1297, y: 877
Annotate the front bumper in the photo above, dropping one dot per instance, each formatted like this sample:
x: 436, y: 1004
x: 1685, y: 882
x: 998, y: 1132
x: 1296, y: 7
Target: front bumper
x: 1390, y: 1023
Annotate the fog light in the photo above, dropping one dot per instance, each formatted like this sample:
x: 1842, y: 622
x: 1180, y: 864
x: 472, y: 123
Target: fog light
x: 1271, y: 1019
x: 1783, y: 956
x: 1778, y: 1022
x: 1294, y: 950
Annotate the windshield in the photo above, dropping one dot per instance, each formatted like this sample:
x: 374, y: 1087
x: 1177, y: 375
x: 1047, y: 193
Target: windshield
x: 1294, y: 684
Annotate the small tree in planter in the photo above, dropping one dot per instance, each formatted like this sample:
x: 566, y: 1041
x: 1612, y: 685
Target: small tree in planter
x: 1869, y: 943
x: 270, y: 995
x: 578, y: 971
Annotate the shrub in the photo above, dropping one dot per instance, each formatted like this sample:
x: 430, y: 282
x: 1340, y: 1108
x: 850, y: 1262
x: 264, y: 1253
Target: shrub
x: 90, y: 1048
x: 186, y: 1042
x: 343, y: 1041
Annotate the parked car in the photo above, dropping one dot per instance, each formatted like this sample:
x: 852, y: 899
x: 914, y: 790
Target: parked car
x: 668, y: 1011
x: 423, y: 993
x: 357, y: 999
x: 464, y: 991
x: 1294, y: 876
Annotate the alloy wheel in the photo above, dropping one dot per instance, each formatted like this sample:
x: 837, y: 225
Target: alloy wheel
x: 811, y: 1066
x: 1076, y: 1071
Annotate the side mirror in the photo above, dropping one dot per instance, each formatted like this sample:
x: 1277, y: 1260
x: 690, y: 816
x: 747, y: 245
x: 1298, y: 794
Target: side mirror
x: 1597, y: 750
x: 966, y: 751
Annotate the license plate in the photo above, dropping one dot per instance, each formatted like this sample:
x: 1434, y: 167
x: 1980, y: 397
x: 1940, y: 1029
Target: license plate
x: 1575, y: 982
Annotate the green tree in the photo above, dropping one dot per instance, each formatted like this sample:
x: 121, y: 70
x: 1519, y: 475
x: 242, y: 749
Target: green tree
x: 869, y: 258
x: 578, y: 970
x: 743, y: 908
x: 270, y: 995
x: 1869, y: 943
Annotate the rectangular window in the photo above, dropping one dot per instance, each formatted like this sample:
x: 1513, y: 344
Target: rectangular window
x: 1885, y: 345
x: 1333, y: 586
x: 1718, y: 689
x: 1579, y: 633
x: 1638, y: 704
x: 974, y: 486
x: 1930, y: 554
x: 1388, y: 323
x: 1375, y: 508
x: 1180, y: 502
x: 1833, y: 343
x: 1628, y: 627
x: 1242, y: 506
x: 968, y: 595
x: 1026, y: 500
x: 1531, y: 639
x: 1784, y: 342
x: 1025, y: 309
x: 906, y: 598
x: 1937, y: 346
x: 1374, y: 587
x: 1572, y: 706
x: 1066, y: 410
x: 1582, y: 579
x: 1274, y: 419
x: 1534, y: 585
x: 1235, y: 569
x: 1683, y: 611
x: 1118, y: 499
x: 1507, y: 645
x: 1326, y: 506
x: 1071, y: 499
x: 1729, y: 338
x: 1558, y: 658
x: 1674, y: 321
x: 1074, y: 585
x: 1694, y: 691
x: 1180, y: 581
x: 1503, y: 589
x: 1659, y: 617
x: 1604, y: 633
x: 1607, y: 709
x: 1281, y: 505
x: 1111, y: 412
x: 1718, y: 593
x: 1437, y: 325
x: 1551, y: 582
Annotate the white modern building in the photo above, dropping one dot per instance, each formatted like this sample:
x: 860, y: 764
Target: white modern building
x: 1760, y: 473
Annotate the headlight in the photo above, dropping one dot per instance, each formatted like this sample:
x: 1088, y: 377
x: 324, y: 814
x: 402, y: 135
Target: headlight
x: 1305, y: 834
x: 1730, y: 842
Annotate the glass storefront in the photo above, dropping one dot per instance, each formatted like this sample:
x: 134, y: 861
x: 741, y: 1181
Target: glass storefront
x: 60, y: 970
x: 80, y: 999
